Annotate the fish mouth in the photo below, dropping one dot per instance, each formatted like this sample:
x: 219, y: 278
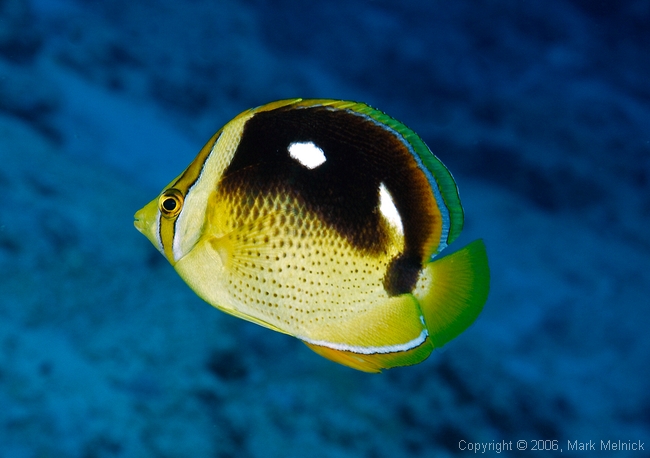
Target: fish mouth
x: 138, y: 223
x: 144, y: 220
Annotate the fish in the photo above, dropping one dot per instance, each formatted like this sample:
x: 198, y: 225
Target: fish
x: 324, y: 220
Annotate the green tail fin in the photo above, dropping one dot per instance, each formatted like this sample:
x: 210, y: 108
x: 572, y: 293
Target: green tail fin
x: 452, y: 291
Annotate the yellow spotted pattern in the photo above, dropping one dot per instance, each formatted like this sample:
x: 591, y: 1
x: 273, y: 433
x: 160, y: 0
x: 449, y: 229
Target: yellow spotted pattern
x: 286, y: 268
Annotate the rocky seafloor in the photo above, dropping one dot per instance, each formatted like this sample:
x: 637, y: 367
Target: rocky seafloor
x: 540, y: 109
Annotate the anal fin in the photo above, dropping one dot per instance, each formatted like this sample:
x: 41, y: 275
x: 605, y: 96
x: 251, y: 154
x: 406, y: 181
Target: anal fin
x: 387, y: 335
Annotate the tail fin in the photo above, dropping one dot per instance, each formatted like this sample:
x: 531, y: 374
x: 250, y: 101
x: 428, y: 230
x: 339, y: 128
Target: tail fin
x: 452, y: 291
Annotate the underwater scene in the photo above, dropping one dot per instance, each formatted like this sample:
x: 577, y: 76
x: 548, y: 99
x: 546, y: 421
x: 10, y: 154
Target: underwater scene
x: 427, y: 224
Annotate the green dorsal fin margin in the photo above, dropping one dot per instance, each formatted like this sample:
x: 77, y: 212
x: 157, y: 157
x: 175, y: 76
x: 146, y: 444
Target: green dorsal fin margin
x: 444, y: 182
x: 443, y: 179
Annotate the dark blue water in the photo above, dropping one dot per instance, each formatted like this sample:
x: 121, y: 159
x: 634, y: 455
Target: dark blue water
x: 541, y: 110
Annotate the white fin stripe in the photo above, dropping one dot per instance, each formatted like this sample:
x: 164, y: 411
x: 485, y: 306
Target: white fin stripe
x: 419, y: 340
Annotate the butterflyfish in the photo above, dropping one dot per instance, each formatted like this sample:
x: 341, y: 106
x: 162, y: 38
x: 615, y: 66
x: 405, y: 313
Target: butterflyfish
x: 324, y: 220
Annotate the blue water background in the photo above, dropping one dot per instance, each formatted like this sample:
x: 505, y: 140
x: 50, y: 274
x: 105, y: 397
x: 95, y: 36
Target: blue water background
x: 541, y: 110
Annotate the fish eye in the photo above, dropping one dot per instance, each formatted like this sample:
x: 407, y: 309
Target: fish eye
x: 170, y: 203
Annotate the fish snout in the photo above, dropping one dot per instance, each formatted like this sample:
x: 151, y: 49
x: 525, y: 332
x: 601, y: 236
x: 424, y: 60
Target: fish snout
x: 138, y: 222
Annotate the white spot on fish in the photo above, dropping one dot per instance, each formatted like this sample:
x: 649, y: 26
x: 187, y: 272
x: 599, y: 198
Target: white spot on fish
x: 388, y: 209
x: 308, y: 154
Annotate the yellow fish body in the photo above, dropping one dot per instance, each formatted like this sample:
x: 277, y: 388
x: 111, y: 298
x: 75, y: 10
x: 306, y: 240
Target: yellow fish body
x: 321, y: 219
